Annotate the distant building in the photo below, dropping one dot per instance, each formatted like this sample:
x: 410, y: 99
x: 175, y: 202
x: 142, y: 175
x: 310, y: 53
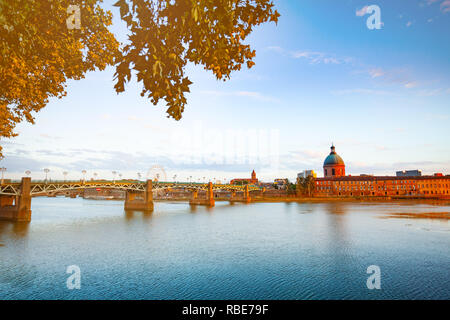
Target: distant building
x: 280, y: 183
x: 252, y: 180
x: 409, y: 173
x: 307, y: 173
x: 409, y: 183
x: 267, y: 185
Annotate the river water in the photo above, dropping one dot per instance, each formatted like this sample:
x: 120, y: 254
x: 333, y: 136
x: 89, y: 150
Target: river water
x: 255, y: 251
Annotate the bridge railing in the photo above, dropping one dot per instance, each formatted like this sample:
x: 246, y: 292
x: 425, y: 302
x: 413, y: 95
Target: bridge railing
x: 47, y: 185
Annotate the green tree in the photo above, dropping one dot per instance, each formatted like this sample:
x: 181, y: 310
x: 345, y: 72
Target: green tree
x: 291, y: 188
x: 39, y: 54
x: 306, y: 186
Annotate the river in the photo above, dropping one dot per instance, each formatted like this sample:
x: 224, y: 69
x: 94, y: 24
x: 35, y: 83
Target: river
x: 255, y: 251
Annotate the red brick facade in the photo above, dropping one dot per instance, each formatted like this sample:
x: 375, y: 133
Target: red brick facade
x: 335, y: 183
x: 423, y: 186
x: 252, y: 180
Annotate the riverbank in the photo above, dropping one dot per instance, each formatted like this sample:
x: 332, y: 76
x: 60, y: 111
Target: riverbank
x: 315, y: 199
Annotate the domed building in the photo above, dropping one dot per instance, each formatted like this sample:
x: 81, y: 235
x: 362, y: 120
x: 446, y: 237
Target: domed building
x: 333, y: 166
x: 336, y: 184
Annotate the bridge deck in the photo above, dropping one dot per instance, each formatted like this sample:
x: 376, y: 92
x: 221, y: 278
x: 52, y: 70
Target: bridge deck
x: 39, y: 188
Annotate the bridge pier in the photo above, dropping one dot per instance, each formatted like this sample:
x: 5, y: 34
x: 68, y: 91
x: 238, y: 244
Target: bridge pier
x: 17, y: 208
x: 142, y: 204
x: 7, y: 201
x: 209, y: 201
x: 245, y: 198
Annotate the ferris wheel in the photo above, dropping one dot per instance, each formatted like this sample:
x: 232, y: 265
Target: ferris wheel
x: 157, y: 173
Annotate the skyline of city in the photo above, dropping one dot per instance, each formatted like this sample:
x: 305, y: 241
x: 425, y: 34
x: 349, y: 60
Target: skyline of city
x: 321, y: 76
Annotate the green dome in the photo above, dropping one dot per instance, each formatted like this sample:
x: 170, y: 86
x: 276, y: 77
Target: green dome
x: 333, y: 158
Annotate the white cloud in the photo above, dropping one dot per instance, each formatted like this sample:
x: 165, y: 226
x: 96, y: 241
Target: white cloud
x: 427, y: 167
x: 411, y: 84
x: 360, y: 91
x: 409, y: 23
x: 396, y: 76
x: 429, y: 92
x: 250, y: 94
x: 361, y: 11
x: 314, y: 57
x: 445, y: 6
x: 376, y: 72
x: 276, y: 49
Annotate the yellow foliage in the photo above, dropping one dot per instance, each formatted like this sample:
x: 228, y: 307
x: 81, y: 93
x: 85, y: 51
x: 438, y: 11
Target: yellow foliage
x: 39, y: 53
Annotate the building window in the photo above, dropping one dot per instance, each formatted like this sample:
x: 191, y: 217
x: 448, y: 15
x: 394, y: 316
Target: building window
x: 333, y: 172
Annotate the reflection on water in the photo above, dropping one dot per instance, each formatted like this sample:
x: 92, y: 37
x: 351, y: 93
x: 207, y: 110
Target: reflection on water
x: 421, y: 215
x: 240, y: 251
x: 335, y: 207
x: 16, y: 230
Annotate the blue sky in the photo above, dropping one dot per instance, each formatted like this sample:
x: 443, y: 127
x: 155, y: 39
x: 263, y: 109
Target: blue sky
x: 321, y: 76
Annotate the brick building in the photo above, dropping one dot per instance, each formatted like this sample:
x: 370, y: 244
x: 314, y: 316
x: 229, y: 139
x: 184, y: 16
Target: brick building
x: 335, y: 183
x: 252, y: 180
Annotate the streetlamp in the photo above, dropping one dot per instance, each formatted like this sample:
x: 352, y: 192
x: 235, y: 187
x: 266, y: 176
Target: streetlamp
x: 65, y: 175
x: 3, y: 169
x: 28, y: 172
x: 95, y: 175
x: 46, y: 174
x: 114, y: 176
x: 175, y: 178
x: 204, y: 179
x: 139, y: 176
x: 190, y: 179
x: 84, y: 175
x: 120, y: 176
